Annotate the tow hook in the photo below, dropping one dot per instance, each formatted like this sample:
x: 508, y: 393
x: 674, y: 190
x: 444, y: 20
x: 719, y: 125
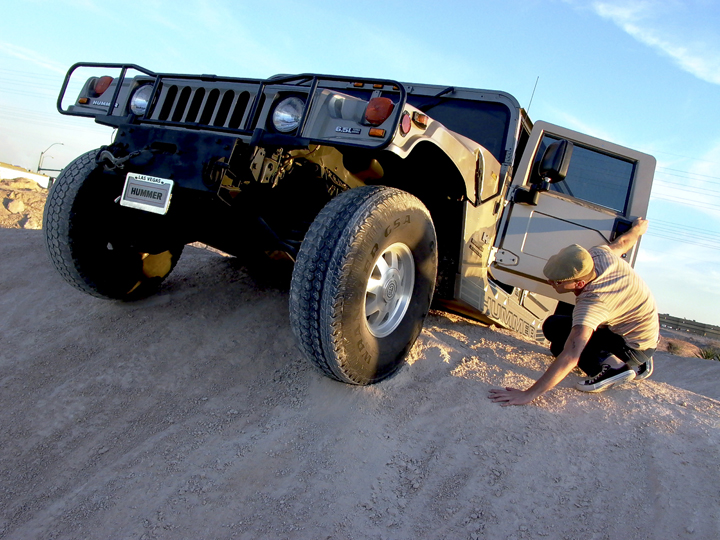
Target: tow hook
x: 111, y: 162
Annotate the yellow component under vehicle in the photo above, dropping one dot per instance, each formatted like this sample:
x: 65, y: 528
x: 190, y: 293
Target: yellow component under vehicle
x: 154, y: 266
x: 157, y: 265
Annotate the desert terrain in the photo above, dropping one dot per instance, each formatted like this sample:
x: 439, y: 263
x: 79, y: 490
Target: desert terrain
x: 192, y: 415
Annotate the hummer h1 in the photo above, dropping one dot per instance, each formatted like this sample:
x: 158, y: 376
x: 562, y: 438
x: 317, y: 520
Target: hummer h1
x: 386, y: 196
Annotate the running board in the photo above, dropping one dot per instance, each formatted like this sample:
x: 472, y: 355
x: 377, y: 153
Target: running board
x: 503, y: 308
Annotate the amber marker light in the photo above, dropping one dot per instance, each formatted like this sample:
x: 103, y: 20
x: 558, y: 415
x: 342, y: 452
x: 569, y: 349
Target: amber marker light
x: 378, y: 110
x: 83, y: 101
x: 376, y: 132
x: 420, y: 119
x: 358, y: 85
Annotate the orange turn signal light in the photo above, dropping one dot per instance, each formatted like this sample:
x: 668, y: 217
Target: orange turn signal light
x: 376, y: 132
x: 420, y: 119
x: 378, y: 110
x: 83, y: 101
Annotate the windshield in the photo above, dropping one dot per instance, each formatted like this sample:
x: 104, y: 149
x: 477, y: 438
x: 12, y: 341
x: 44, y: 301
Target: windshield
x: 484, y: 122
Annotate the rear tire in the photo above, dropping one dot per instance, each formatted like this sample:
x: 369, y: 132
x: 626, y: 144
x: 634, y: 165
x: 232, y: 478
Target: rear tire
x: 363, y: 282
x: 83, y: 235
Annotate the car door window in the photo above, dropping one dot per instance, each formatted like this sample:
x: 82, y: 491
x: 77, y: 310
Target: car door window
x: 595, y: 177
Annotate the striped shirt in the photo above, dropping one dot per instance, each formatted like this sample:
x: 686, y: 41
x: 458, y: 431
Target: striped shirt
x: 620, y: 300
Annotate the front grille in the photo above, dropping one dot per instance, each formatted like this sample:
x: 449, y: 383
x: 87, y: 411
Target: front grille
x: 222, y: 105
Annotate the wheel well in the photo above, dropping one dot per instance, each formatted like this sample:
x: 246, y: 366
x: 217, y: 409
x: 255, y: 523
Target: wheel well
x: 430, y: 175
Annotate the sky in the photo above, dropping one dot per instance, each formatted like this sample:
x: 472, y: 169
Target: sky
x: 641, y: 73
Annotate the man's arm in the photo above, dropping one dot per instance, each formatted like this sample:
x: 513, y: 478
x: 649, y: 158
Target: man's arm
x: 624, y: 243
x: 558, y: 370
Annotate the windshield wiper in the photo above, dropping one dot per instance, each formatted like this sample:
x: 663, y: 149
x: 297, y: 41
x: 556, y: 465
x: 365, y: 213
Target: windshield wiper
x: 437, y: 99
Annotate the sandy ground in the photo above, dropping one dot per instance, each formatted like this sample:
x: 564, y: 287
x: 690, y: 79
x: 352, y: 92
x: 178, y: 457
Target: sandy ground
x: 192, y: 415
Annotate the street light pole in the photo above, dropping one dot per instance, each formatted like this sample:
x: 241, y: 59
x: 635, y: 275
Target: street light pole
x: 45, y: 151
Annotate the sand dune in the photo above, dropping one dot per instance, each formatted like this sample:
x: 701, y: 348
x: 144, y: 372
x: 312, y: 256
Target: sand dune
x: 192, y: 415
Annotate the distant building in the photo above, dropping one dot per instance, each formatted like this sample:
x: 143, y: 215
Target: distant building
x: 676, y: 323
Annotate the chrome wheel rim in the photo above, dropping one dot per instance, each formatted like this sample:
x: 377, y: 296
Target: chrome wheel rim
x: 389, y: 289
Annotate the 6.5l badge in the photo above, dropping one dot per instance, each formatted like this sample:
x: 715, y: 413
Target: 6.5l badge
x: 348, y: 130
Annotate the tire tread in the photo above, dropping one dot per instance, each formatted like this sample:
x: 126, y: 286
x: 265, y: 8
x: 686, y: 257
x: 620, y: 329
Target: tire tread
x: 323, y: 258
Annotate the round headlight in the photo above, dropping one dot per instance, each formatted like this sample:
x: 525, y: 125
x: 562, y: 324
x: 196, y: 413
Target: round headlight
x: 140, y: 99
x: 286, y: 116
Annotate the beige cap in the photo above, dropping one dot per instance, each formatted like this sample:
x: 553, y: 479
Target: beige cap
x: 572, y: 262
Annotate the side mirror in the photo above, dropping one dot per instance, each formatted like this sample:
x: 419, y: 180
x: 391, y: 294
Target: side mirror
x: 553, y: 167
x: 555, y: 161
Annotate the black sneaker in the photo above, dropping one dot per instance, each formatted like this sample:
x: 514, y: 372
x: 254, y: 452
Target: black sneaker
x: 606, y: 378
x: 644, y: 370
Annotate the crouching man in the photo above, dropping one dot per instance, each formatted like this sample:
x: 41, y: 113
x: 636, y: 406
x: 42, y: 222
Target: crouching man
x: 614, y: 328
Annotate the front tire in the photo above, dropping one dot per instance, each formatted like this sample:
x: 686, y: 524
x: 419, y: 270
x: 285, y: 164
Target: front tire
x: 83, y: 229
x: 363, y: 283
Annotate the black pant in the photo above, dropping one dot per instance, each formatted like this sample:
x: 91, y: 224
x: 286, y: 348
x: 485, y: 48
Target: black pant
x: 602, y: 344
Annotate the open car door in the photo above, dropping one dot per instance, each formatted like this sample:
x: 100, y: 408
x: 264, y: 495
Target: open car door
x: 604, y: 189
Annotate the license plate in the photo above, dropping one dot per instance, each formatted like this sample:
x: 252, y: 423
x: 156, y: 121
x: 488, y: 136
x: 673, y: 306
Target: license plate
x: 147, y: 193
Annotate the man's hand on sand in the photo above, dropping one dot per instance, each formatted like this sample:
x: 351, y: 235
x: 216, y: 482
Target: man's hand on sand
x: 509, y: 396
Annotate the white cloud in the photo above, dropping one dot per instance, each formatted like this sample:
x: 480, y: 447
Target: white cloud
x: 563, y: 118
x: 675, y: 29
x: 29, y: 55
